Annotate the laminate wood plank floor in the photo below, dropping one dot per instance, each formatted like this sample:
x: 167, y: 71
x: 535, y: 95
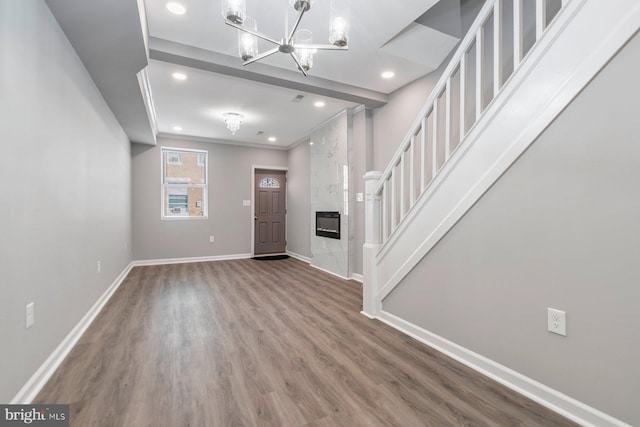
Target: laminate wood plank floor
x: 265, y: 343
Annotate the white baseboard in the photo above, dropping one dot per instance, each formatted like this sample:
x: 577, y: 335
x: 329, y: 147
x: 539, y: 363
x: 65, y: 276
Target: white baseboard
x: 329, y: 272
x: 354, y: 276
x: 33, y: 386
x: 300, y: 257
x: 166, y: 261
x: 540, y: 393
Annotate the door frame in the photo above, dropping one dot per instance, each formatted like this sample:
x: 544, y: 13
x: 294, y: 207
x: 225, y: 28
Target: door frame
x: 253, y: 203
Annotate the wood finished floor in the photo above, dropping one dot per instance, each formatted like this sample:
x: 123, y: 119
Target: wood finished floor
x: 265, y: 343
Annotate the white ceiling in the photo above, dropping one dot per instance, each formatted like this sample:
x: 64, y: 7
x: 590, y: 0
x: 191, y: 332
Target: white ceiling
x: 198, y: 103
x: 384, y: 36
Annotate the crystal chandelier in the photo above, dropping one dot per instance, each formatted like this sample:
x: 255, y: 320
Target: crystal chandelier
x: 233, y: 121
x: 298, y: 43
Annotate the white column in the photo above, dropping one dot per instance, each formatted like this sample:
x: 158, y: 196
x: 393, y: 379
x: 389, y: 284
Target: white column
x: 373, y: 241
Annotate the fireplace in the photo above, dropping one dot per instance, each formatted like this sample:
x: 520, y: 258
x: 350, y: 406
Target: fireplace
x: 328, y: 224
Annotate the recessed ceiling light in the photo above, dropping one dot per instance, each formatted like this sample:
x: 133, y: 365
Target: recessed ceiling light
x: 177, y: 128
x: 319, y: 104
x: 272, y: 139
x: 388, y: 74
x: 176, y: 8
x: 310, y: 142
x: 179, y: 76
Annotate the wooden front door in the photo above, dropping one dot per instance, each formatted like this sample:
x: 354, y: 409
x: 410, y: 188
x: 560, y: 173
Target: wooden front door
x: 270, y: 212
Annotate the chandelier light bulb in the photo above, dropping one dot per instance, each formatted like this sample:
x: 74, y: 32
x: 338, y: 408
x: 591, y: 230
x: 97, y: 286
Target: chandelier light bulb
x: 247, y: 42
x: 304, y: 55
x: 339, y: 23
x: 234, y: 10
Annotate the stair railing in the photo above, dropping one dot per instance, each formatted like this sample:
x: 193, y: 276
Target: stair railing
x: 489, y: 54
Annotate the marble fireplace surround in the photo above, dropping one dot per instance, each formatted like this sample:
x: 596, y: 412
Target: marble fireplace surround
x: 330, y: 173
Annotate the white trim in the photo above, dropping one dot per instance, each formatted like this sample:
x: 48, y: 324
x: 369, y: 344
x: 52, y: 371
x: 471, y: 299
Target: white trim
x: 166, y: 261
x: 329, y: 272
x: 357, y: 277
x: 33, y: 386
x: 220, y: 141
x: 368, y: 316
x: 300, y: 257
x: 546, y: 396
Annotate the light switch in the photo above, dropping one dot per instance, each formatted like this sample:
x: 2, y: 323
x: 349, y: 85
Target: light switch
x: 246, y: 203
x: 359, y: 197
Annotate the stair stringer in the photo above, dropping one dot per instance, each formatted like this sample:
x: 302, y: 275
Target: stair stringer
x: 584, y: 37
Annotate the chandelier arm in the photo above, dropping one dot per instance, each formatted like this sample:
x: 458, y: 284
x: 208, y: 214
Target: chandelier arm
x: 295, y: 26
x: 261, y: 56
x: 255, y: 33
x: 320, y: 47
x: 295, y: 58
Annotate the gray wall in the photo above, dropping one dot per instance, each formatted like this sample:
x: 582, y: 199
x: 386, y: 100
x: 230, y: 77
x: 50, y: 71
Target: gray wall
x: 391, y: 122
x: 560, y: 229
x: 298, y: 200
x: 65, y: 198
x: 230, y: 169
x: 361, y: 162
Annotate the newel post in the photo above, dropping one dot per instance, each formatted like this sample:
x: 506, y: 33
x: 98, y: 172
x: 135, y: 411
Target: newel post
x: 373, y: 240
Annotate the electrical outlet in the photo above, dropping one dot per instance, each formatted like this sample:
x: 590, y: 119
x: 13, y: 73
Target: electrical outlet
x: 557, y: 321
x: 212, y: 239
x: 99, y: 267
x: 29, y: 315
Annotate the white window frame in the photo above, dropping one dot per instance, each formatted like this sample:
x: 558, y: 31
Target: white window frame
x: 184, y: 184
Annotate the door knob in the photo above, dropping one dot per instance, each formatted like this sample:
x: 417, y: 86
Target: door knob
x: 255, y: 217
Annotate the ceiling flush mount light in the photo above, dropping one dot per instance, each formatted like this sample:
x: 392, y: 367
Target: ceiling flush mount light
x: 388, y: 75
x: 298, y: 43
x: 233, y: 121
x: 177, y: 128
x: 176, y: 8
x: 272, y: 139
x: 319, y: 104
x: 179, y: 76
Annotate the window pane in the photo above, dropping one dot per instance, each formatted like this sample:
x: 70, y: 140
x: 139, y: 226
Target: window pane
x: 191, y: 167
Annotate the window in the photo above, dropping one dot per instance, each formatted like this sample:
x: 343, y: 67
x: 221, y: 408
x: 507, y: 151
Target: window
x: 269, y: 183
x: 184, y: 183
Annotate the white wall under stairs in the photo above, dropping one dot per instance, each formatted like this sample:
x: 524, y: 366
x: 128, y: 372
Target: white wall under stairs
x: 580, y: 41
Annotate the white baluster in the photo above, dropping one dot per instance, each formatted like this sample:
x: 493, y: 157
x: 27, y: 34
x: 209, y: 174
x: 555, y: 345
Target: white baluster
x: 447, y: 121
x: 497, y: 47
x: 518, y: 33
x: 393, y: 201
x: 403, y: 191
x: 541, y: 17
x: 423, y: 151
x: 463, y: 94
x: 385, y: 210
x: 412, y: 179
x: 434, y: 142
x: 479, y: 70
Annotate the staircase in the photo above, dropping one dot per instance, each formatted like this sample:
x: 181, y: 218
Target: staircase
x: 519, y: 66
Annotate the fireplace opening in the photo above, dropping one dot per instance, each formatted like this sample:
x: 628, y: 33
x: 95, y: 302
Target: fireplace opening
x: 328, y: 224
